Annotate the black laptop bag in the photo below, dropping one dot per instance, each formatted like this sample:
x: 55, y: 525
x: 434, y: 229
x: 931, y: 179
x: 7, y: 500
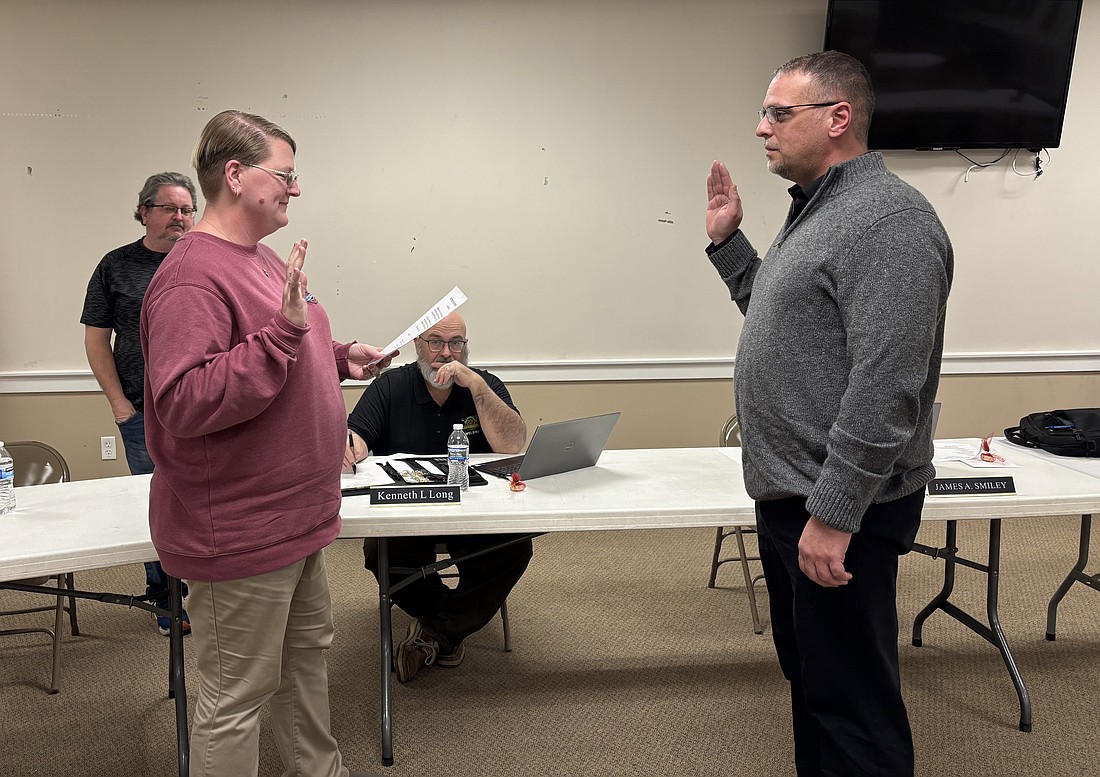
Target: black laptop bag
x: 1064, y: 432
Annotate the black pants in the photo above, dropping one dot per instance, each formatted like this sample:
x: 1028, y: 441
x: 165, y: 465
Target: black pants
x: 838, y: 647
x: 483, y: 582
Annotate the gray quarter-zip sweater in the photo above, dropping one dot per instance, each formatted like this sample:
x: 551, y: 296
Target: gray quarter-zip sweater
x: 839, y: 358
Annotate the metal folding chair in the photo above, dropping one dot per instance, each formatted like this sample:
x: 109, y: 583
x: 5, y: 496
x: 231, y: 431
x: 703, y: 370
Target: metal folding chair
x: 35, y: 464
x: 730, y: 435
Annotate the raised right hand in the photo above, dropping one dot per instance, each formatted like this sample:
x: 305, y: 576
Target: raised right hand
x: 295, y: 307
x: 724, y: 212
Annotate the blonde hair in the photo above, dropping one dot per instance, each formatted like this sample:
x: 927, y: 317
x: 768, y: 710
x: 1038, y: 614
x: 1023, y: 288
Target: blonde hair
x: 233, y: 135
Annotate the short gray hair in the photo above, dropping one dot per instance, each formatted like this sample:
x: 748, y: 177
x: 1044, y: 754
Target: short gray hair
x: 148, y: 194
x: 838, y: 76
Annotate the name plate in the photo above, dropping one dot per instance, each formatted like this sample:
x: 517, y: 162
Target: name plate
x: 971, y: 486
x: 415, y: 495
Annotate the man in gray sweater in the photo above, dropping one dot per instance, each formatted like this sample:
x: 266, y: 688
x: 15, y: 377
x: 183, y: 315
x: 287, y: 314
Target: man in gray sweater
x: 837, y: 369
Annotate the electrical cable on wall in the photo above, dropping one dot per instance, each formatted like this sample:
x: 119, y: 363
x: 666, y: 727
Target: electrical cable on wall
x: 1037, y: 164
x: 979, y: 165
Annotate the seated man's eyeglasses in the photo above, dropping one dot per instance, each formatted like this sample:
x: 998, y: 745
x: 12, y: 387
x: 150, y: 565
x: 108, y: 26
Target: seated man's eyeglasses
x: 171, y: 210
x: 456, y: 346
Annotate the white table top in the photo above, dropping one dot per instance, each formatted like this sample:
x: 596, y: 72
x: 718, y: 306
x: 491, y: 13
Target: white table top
x: 1090, y: 466
x: 632, y: 489
x: 1043, y: 487
x: 100, y: 523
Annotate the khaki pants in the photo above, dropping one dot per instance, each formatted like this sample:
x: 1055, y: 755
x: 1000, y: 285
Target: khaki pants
x: 260, y: 639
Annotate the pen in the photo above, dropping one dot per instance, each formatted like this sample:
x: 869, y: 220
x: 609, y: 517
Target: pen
x: 351, y: 449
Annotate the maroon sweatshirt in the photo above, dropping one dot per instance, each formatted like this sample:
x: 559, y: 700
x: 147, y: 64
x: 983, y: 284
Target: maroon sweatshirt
x: 244, y: 418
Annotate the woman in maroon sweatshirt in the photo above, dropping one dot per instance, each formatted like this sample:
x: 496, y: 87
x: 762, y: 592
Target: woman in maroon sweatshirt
x: 247, y: 427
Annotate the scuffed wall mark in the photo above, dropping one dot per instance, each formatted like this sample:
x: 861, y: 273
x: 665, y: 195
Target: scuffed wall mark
x: 414, y: 247
x: 666, y: 221
x: 29, y: 170
x: 545, y: 181
x: 285, y: 96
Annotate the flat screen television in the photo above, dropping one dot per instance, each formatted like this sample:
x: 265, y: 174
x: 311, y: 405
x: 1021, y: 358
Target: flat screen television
x: 956, y: 74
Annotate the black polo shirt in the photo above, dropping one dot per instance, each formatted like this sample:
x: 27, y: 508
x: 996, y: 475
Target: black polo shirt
x: 396, y: 414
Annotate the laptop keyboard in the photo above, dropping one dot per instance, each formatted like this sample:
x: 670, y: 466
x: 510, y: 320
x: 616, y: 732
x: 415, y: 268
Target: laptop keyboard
x: 503, y: 467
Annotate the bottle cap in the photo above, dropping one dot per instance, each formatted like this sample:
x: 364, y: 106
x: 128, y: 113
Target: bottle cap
x: 456, y: 426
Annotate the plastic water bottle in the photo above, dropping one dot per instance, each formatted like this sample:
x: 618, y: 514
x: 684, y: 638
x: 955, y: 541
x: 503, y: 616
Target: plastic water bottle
x: 7, y: 481
x: 458, y: 458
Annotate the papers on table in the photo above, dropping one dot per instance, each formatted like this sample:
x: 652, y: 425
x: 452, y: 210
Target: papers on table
x: 450, y: 302
x: 967, y: 453
x: 400, y: 469
x: 367, y: 474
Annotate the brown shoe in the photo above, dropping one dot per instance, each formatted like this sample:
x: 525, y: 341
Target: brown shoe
x: 418, y: 650
x: 452, y: 659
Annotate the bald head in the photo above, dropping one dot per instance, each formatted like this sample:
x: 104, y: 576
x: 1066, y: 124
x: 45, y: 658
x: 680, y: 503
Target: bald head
x: 451, y: 322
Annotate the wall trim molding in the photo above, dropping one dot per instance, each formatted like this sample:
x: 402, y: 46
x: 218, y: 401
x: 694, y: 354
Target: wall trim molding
x: 587, y: 371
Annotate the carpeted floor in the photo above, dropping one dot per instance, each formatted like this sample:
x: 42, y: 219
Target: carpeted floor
x: 624, y: 664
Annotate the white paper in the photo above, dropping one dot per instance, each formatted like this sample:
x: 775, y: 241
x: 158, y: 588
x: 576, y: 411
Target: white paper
x: 367, y: 473
x: 968, y: 454
x: 450, y: 302
x: 953, y: 451
x: 428, y: 465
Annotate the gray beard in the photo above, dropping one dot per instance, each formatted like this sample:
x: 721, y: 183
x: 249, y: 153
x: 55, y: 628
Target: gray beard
x: 430, y: 374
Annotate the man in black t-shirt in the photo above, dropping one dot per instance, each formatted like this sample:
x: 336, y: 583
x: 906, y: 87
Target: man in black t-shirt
x: 112, y: 306
x: 412, y: 409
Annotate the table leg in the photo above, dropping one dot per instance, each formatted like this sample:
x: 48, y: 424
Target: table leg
x: 947, y: 553
x: 176, y: 681
x: 993, y: 580
x: 1077, y: 574
x: 385, y: 648
x: 992, y: 630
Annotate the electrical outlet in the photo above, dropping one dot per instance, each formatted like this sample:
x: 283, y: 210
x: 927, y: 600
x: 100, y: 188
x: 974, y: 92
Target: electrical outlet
x: 107, y: 448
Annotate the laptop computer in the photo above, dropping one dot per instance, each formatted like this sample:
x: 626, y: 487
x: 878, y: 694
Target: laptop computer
x: 558, y: 447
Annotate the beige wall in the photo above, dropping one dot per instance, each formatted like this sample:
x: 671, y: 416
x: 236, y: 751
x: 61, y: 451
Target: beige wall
x: 659, y: 414
x: 546, y: 157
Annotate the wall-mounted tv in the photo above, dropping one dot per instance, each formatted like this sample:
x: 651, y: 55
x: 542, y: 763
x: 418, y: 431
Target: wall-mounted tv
x: 956, y: 74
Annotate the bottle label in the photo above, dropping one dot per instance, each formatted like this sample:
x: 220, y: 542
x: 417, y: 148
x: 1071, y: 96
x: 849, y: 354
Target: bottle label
x: 7, y: 471
x: 457, y: 453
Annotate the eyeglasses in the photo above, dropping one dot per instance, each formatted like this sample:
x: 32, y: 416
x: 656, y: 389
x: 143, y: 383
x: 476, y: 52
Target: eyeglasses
x: 456, y: 346
x: 172, y: 210
x: 287, y: 177
x: 777, y: 113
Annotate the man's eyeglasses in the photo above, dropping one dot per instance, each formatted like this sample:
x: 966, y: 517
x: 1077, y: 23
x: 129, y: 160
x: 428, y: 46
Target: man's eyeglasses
x: 288, y: 177
x: 172, y: 210
x: 456, y: 346
x: 777, y: 113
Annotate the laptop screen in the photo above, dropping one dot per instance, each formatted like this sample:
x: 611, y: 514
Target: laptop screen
x: 560, y: 447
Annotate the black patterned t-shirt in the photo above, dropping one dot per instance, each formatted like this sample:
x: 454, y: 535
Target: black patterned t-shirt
x: 113, y: 301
